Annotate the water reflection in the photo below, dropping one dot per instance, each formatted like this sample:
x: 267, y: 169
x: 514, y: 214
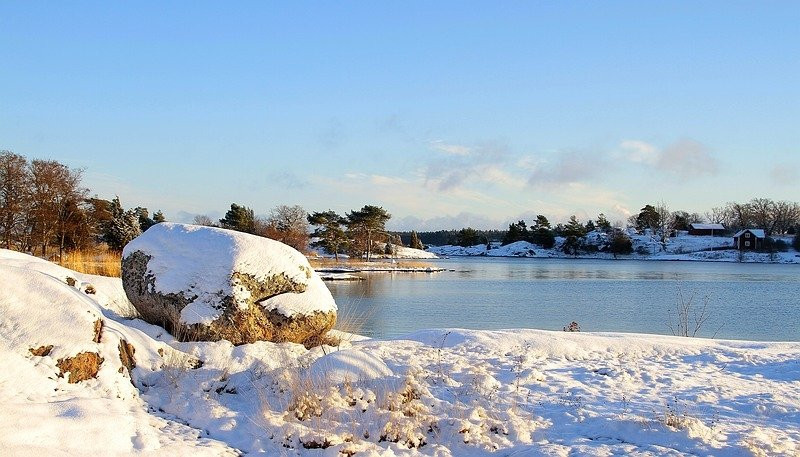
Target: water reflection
x: 750, y: 301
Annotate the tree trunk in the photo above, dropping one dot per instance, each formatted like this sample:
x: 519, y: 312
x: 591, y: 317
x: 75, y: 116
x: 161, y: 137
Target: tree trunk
x: 369, y: 244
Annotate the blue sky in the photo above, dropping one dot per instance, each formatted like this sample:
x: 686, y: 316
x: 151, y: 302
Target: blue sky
x: 447, y: 114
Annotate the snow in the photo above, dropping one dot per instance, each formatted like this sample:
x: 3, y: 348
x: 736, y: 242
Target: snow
x: 436, y: 392
x: 401, y: 252
x: 758, y: 233
x: 683, y: 247
x: 199, y: 261
x: 349, y: 365
x: 698, y: 226
x: 316, y: 298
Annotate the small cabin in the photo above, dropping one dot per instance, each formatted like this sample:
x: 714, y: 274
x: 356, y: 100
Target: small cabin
x: 749, y: 239
x: 706, y: 229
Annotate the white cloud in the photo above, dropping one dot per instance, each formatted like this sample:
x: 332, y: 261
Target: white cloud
x: 569, y: 167
x: 639, y: 151
x: 483, y: 163
x: 784, y: 174
x: 451, y: 149
x: 685, y: 158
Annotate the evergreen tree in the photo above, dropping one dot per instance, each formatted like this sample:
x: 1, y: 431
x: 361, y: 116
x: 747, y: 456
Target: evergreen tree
x: 620, y: 243
x: 796, y: 242
x: 329, y: 231
x: 415, y: 243
x: 648, y: 218
x: 590, y: 227
x: 602, y: 223
x: 158, y: 217
x: 573, y: 232
x: 366, y: 226
x: 239, y: 218
x: 144, y: 218
x: 516, y: 232
x: 542, y: 234
x: 123, y: 226
x: 469, y: 237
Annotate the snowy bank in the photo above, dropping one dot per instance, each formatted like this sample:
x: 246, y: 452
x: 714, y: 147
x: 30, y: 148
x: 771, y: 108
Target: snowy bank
x: 685, y: 247
x: 440, y: 392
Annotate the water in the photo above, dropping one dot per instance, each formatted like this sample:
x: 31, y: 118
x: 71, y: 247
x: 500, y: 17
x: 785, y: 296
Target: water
x: 745, y: 301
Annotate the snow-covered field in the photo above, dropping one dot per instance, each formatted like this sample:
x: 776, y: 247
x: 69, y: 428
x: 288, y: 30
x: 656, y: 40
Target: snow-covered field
x: 436, y: 392
x: 686, y: 247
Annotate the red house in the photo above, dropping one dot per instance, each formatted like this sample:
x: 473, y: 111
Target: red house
x: 749, y: 239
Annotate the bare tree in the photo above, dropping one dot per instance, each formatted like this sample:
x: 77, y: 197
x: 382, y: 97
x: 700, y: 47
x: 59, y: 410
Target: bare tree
x: 716, y: 215
x: 287, y: 224
x: 56, y: 195
x: 687, y: 320
x: 202, y: 219
x: 762, y: 211
x: 665, y: 221
x: 14, y: 197
x: 787, y: 215
x: 738, y: 215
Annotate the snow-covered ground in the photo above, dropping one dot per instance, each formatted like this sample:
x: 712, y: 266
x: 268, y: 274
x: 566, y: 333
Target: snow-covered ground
x: 685, y: 247
x: 400, y: 252
x: 435, y: 393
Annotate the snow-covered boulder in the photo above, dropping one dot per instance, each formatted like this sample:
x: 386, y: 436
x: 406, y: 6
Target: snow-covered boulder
x: 207, y: 283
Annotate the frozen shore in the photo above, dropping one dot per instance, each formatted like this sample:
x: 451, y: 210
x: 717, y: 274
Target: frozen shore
x: 439, y: 392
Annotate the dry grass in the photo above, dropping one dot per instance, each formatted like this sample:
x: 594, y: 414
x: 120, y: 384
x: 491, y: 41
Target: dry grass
x: 95, y: 262
x: 322, y: 262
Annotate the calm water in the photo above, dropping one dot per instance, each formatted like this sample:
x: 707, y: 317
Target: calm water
x: 745, y: 301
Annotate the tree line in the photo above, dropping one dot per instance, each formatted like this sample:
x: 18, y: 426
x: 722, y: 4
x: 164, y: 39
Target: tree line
x: 356, y: 233
x: 44, y: 208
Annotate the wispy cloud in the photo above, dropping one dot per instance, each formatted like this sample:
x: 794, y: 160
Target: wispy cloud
x: 289, y: 180
x: 451, y: 149
x: 639, y: 151
x: 461, y: 165
x: 685, y: 158
x: 784, y: 174
x: 568, y: 167
x: 688, y: 158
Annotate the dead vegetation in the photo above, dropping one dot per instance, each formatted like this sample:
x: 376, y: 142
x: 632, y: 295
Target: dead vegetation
x: 103, y: 262
x: 41, y: 351
x: 80, y: 367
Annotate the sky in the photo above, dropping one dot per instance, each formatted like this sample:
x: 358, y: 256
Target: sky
x: 447, y: 114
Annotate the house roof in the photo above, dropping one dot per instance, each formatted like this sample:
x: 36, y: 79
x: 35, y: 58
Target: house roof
x: 707, y: 226
x: 759, y: 233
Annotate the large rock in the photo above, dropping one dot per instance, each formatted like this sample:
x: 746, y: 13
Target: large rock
x: 207, y: 283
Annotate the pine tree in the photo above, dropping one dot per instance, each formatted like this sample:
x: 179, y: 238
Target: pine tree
x: 516, y: 232
x: 573, y: 232
x: 158, y: 217
x: 329, y: 231
x: 144, y: 218
x: 542, y: 234
x: 602, y: 223
x: 123, y: 226
x: 366, y: 226
x: 620, y: 243
x: 239, y: 218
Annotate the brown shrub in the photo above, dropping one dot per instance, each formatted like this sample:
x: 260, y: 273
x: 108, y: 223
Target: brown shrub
x: 81, y: 367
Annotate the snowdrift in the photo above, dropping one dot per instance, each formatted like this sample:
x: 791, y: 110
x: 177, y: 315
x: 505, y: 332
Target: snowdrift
x: 440, y: 392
